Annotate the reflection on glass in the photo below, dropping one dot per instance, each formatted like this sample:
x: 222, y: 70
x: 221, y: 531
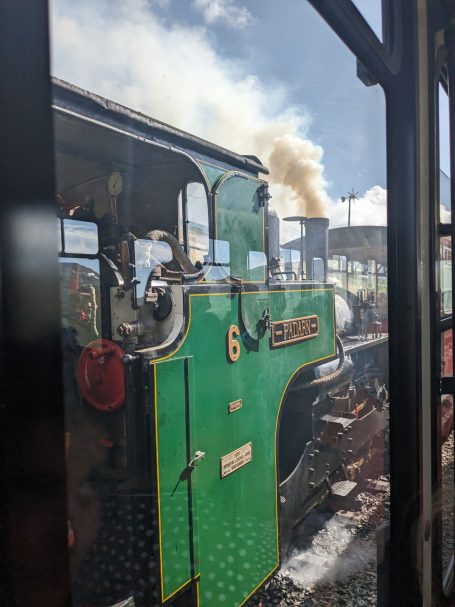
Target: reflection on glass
x: 257, y: 266
x: 80, y: 299
x: 150, y: 259
x: 444, y: 192
x: 150, y: 253
x: 318, y: 269
x: 221, y: 252
x: 444, y: 156
x: 80, y: 237
x: 291, y: 263
x: 197, y: 222
x: 446, y: 287
x: 445, y: 268
x: 219, y: 266
x: 59, y: 236
x: 447, y: 462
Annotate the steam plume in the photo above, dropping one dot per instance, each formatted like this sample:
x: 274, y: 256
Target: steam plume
x: 296, y: 163
x: 172, y: 71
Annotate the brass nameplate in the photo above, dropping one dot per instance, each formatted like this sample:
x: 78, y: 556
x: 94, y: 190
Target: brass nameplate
x: 294, y: 330
x: 236, y: 459
x: 235, y: 406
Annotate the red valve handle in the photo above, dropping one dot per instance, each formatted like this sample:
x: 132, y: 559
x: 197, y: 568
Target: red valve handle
x: 95, y: 354
x: 101, y: 375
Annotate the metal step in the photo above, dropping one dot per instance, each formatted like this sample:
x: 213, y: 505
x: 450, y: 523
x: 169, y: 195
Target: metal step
x: 343, y: 488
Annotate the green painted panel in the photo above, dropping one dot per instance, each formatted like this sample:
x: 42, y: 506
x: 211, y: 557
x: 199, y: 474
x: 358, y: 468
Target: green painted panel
x: 237, y: 515
x: 240, y: 220
x: 253, y: 310
x: 173, y: 411
x: 213, y: 173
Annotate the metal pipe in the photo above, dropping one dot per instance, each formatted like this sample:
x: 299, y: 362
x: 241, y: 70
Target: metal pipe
x: 316, y: 244
x: 177, y: 250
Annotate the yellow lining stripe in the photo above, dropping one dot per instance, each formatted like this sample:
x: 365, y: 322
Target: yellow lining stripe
x: 227, y: 294
x: 187, y: 583
x: 271, y: 572
x: 155, y: 402
x: 153, y: 362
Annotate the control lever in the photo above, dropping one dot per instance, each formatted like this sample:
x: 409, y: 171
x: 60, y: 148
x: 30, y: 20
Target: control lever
x: 198, y: 456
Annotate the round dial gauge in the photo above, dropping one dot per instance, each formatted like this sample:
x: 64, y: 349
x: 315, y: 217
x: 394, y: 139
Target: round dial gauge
x: 115, y: 183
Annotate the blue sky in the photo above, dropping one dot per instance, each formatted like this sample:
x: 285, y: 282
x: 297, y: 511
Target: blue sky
x: 288, y: 43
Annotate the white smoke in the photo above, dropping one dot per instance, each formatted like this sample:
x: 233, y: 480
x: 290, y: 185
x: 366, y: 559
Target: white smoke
x: 348, y: 554
x: 173, y: 72
x: 224, y: 11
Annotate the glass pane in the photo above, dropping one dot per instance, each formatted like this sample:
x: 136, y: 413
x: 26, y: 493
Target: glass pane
x: 446, y: 275
x: 257, y: 266
x: 151, y: 258
x: 444, y: 156
x: 59, y: 236
x: 80, y: 298
x: 80, y: 237
x: 444, y: 188
x: 198, y: 222
x: 222, y: 419
x: 446, y: 287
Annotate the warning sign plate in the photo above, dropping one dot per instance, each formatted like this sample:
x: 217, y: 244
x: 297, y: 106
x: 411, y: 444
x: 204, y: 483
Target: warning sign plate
x: 236, y: 459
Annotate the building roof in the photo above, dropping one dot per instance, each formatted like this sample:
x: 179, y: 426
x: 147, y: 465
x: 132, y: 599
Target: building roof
x: 359, y: 243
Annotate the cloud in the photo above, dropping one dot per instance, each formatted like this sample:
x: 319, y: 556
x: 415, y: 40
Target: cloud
x: 223, y: 11
x: 173, y: 72
x: 370, y: 209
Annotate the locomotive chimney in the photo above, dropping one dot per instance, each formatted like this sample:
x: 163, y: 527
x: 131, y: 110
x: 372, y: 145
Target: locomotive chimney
x: 317, y: 247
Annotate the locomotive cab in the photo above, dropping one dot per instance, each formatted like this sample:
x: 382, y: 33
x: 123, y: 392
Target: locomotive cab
x: 182, y: 337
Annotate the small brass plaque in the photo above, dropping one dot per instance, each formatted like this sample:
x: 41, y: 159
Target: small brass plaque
x: 294, y: 330
x: 235, y: 406
x: 236, y: 459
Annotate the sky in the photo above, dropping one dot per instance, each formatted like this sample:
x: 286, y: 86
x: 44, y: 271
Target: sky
x: 258, y: 77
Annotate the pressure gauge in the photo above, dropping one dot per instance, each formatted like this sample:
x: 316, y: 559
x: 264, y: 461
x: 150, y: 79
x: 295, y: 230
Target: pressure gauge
x: 115, y: 183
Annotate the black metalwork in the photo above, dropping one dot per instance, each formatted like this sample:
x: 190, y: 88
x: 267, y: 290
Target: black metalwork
x: 395, y: 65
x: 34, y: 567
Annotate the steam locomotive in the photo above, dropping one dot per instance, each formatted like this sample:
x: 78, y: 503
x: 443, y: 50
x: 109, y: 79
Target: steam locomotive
x: 210, y: 401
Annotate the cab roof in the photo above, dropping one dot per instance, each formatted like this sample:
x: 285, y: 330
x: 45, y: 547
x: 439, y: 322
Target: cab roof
x: 70, y: 99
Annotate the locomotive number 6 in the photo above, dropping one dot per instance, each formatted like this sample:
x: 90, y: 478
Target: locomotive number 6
x: 233, y: 346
